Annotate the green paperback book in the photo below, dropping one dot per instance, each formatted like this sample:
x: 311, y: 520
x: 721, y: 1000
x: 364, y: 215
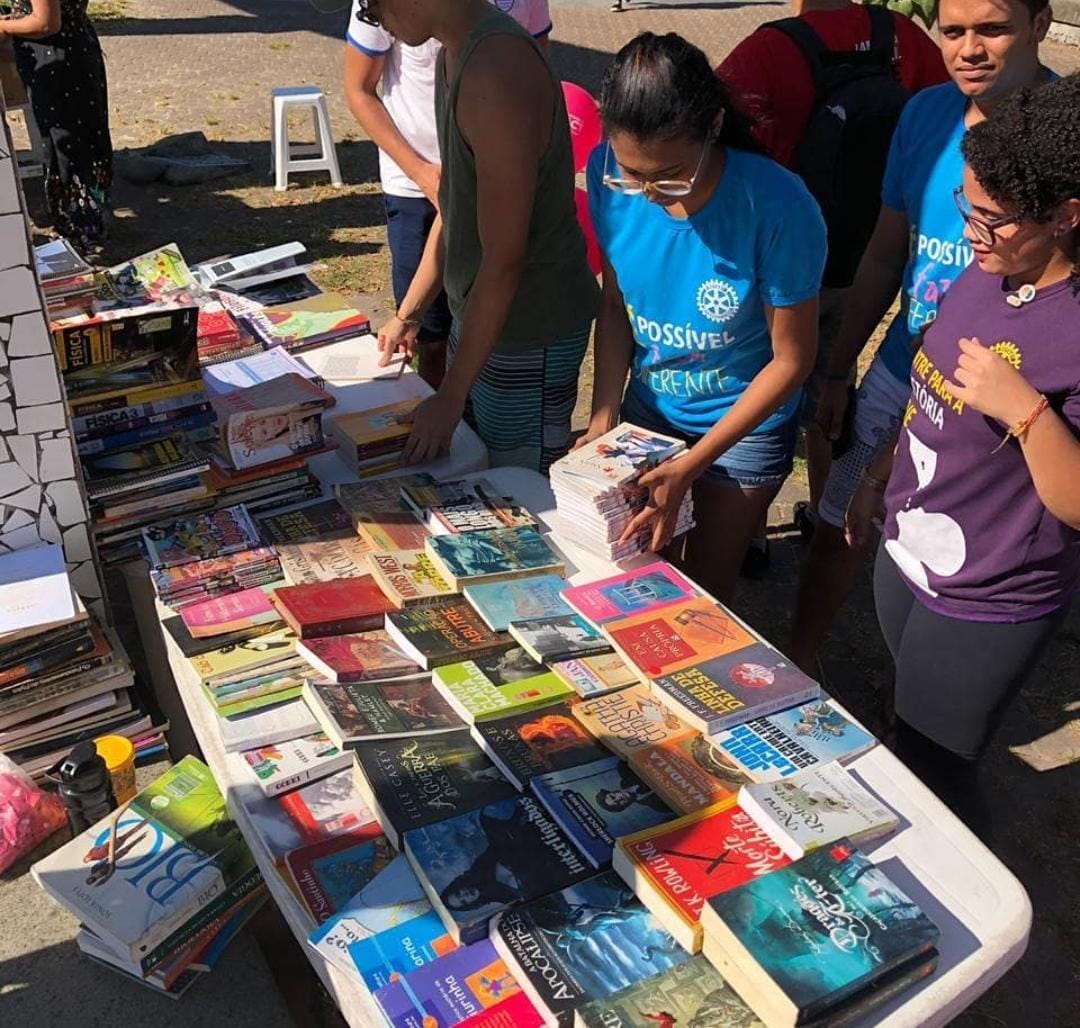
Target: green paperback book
x: 498, y: 686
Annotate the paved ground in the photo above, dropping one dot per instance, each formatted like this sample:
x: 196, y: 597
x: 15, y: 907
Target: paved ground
x: 209, y: 65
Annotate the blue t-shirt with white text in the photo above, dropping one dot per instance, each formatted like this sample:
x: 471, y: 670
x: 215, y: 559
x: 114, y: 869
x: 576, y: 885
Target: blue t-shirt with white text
x: 695, y: 289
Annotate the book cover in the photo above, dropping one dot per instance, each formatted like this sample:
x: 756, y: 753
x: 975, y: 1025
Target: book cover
x: 690, y: 860
x: 319, y: 520
x: 139, y: 874
x: 735, y: 688
x: 677, y: 636
x: 376, y: 427
x: 392, y: 899
x: 279, y: 723
x: 478, y: 863
x: 566, y: 637
x: 618, y: 456
x: 496, y: 686
x: 490, y: 555
x: 328, y: 807
x: 634, y: 592
x: 296, y: 327
x: 407, y: 577
x: 692, y: 993
x: 328, y: 873
x: 817, y: 807
x: 234, y: 612
x: 444, y: 632
x: 459, y: 984
x: 629, y: 720
x: 354, y: 711
x: 118, y: 471
x: 595, y: 803
x: 525, y: 745
x: 360, y: 657
x: 790, y: 740
x: 338, y: 607
x: 583, y: 943
x: 688, y: 773
x: 379, y: 515
x: 499, y: 603
x: 515, y: 1012
x: 391, y: 954
x: 285, y: 765
x: 820, y: 929
x: 416, y: 782
x: 210, y: 534
x: 449, y: 508
x: 595, y: 676
x: 243, y: 659
x: 323, y: 560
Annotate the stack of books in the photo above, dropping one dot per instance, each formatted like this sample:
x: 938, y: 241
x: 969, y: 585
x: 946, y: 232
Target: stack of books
x: 220, y: 337
x: 239, y: 678
x: 63, y: 678
x: 164, y: 938
x: 371, y: 442
x: 303, y: 324
x: 66, y: 279
x: 596, y: 489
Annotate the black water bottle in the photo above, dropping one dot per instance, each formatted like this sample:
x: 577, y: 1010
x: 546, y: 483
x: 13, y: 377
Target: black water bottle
x: 85, y: 787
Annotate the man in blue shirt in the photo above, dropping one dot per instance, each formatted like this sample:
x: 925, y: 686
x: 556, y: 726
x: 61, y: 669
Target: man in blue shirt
x: 991, y: 49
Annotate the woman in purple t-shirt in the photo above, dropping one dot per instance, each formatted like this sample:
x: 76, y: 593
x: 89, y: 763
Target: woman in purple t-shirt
x: 981, y: 549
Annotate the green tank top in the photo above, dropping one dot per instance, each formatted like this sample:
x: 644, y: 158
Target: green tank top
x: 558, y: 294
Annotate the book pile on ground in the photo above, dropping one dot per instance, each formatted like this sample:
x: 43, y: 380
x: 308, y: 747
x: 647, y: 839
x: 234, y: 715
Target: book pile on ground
x: 63, y: 678
x: 164, y: 938
x: 371, y: 441
x: 66, y: 279
x: 596, y: 489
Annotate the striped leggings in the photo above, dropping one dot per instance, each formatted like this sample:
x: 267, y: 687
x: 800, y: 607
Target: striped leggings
x: 521, y: 404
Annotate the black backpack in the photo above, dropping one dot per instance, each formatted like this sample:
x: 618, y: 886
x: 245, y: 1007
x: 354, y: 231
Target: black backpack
x: 842, y: 154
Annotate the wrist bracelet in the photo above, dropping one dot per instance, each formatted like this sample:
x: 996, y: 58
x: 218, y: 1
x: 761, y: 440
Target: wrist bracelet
x: 1021, y: 427
x: 879, y: 485
x: 413, y: 322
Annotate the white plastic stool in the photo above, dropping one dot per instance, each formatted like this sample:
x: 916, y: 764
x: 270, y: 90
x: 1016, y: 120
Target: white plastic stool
x: 286, y: 157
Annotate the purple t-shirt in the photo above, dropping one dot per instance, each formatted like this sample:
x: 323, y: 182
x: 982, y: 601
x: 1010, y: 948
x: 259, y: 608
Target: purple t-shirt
x: 966, y: 527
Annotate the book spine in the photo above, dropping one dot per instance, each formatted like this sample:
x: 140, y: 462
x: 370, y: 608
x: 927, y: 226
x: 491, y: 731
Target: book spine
x: 52, y: 658
x: 102, y: 426
x: 147, y: 433
x: 139, y: 396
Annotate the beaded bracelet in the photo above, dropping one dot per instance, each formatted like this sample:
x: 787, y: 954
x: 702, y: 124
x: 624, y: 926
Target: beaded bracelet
x: 1017, y: 430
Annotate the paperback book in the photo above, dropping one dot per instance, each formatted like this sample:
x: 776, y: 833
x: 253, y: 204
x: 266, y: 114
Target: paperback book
x: 372, y: 440
x: 322, y: 519
x: 449, y: 508
x: 595, y: 803
x: 595, y: 676
x: 525, y: 599
x: 211, y: 534
x: 688, y: 773
x: 379, y: 515
x: 280, y: 723
x: 407, y: 577
x: 391, y: 954
x: 566, y: 637
x: 360, y: 657
x: 239, y: 612
x: 306, y: 323
x: 328, y: 873
x: 497, y: 686
x: 444, y: 632
x: 630, y: 720
x: 634, y: 592
x: 338, y: 607
x: 329, y: 807
x: 491, y: 556
x: 286, y: 765
x: 324, y: 560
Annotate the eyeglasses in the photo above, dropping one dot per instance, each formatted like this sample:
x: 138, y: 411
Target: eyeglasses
x: 985, y: 229
x: 362, y: 10
x: 664, y: 187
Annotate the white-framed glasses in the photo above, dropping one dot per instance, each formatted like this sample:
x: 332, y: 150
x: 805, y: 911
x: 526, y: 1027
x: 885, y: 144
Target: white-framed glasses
x: 671, y: 187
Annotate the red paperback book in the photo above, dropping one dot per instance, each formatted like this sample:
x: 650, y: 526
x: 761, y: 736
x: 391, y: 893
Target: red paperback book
x: 338, y: 607
x: 364, y: 657
x: 329, y: 873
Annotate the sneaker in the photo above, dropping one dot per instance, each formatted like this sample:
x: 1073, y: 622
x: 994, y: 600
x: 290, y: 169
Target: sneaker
x: 755, y: 564
x: 805, y: 519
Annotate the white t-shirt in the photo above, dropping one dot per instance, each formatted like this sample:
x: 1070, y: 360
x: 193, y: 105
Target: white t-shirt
x: 408, y: 83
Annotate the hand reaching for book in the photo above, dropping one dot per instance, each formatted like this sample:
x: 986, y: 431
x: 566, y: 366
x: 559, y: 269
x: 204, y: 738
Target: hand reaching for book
x: 434, y: 422
x: 397, y: 336
x: 667, y: 485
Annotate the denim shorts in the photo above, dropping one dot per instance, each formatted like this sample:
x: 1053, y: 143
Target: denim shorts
x: 762, y: 459
x: 408, y: 222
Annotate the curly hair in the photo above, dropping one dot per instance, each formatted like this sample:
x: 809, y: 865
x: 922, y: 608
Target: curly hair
x: 1026, y: 155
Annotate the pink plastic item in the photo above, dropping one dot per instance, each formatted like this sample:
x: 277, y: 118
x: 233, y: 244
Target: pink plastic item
x: 592, y: 247
x: 584, y: 116
x: 27, y: 814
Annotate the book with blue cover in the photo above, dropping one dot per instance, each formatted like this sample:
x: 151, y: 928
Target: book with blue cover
x: 491, y: 556
x: 799, y: 942
x: 583, y: 943
x: 596, y: 803
x: 500, y: 603
x: 483, y: 861
x: 384, y: 957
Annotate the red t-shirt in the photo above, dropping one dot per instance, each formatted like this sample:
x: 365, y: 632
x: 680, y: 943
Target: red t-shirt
x: 770, y: 79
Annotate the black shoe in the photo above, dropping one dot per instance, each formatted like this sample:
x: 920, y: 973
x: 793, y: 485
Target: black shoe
x: 755, y: 564
x: 805, y: 519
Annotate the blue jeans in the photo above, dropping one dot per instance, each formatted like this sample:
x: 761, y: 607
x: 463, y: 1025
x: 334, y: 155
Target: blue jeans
x: 408, y: 224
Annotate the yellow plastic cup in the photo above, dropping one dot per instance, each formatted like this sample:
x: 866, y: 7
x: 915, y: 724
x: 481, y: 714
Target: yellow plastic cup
x: 118, y: 753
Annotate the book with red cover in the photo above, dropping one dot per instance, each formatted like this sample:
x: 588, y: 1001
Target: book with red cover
x: 363, y: 657
x: 329, y: 873
x: 338, y: 607
x: 328, y: 807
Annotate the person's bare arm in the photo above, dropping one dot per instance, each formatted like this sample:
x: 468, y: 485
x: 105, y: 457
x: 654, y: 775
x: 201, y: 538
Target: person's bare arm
x: 43, y: 20
x: 362, y: 75
x: 613, y: 349
x: 399, y: 333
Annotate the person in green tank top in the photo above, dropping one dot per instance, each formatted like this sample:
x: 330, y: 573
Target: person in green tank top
x: 506, y: 247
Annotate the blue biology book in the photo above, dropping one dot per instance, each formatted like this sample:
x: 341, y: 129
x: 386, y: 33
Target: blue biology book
x: 596, y: 803
x: 381, y: 959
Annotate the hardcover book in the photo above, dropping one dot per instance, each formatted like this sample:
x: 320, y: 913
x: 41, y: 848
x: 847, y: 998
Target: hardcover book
x: 595, y: 676
x: 360, y: 657
x: 525, y: 745
x: 460, y: 984
x: 391, y: 954
x: 817, y: 807
x: 691, y: 993
x: 677, y: 636
x: 634, y: 592
x: 328, y: 873
x: 499, y: 603
x: 337, y: 607
x: 322, y: 519
x: 583, y: 943
x: 595, y: 803
x: 410, y: 783
x: 329, y: 807
x: 688, y: 773
x: 675, y: 868
x: 566, y: 637
x: 449, y: 508
x: 178, y: 825
x: 234, y: 612
x: 379, y: 515
x: 788, y: 741
x: 494, y: 687
x: 735, y: 688
x: 492, y: 556
x: 478, y: 863
x: 286, y: 765
x: 629, y: 720
x: 324, y: 560
x: 798, y: 943
x: 444, y: 632
x: 211, y: 534
x: 407, y: 577
x: 354, y: 711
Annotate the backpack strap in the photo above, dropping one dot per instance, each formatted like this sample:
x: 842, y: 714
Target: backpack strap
x: 882, y: 30
x: 808, y: 41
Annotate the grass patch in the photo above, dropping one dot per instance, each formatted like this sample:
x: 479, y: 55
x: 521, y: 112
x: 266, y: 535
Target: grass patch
x: 108, y: 10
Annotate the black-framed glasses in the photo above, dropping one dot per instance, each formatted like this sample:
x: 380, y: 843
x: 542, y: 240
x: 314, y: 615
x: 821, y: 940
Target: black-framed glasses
x: 671, y: 187
x: 985, y: 229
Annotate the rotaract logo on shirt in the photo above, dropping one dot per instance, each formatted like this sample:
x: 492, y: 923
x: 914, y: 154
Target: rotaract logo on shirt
x: 717, y: 300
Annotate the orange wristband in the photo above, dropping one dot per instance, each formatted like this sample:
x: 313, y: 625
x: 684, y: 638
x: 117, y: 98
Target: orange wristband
x: 1021, y: 427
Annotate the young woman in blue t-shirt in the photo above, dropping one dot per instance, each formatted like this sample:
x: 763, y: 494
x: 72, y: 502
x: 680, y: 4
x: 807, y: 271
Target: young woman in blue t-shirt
x: 712, y: 261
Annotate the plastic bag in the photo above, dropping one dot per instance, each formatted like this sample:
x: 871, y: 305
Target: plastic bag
x: 28, y: 815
